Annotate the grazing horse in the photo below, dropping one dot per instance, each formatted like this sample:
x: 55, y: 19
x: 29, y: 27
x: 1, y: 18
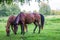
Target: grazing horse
x: 10, y: 22
x: 27, y: 18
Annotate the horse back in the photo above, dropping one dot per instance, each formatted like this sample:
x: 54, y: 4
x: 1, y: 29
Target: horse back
x: 37, y: 16
x: 29, y: 18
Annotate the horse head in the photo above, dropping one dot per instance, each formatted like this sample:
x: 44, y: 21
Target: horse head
x: 16, y: 22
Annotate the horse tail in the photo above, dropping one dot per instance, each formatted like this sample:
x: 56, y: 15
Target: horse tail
x: 42, y: 21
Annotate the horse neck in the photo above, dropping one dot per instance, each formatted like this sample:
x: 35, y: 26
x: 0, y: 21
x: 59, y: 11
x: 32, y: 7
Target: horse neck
x: 16, y: 20
x: 20, y: 15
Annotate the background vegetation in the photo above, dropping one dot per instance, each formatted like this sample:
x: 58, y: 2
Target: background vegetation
x: 8, y: 8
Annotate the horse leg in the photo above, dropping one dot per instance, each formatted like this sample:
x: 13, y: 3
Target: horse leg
x: 39, y: 26
x: 25, y: 28
x: 15, y: 29
x: 12, y: 28
x: 22, y: 29
x: 35, y: 27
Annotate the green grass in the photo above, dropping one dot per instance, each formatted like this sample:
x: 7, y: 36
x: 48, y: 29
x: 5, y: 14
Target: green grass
x: 51, y: 31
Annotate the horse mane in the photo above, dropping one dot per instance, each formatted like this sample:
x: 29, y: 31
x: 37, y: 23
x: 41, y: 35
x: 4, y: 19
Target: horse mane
x: 17, y: 18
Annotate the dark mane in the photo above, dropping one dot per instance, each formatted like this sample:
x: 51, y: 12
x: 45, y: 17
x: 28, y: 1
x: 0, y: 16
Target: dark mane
x: 17, y: 18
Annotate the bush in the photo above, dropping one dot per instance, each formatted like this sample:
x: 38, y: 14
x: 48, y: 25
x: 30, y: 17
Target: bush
x: 7, y: 10
x: 45, y: 9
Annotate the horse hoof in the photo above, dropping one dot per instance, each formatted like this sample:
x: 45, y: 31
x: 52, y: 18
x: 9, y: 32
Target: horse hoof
x: 38, y: 32
x: 15, y: 33
x: 21, y: 32
x: 33, y: 32
x: 26, y: 31
x: 7, y: 35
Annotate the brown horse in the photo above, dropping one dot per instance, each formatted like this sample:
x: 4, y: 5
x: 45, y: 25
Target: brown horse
x: 10, y: 22
x: 27, y: 18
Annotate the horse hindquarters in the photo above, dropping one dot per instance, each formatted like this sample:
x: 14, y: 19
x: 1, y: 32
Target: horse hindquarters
x: 37, y: 21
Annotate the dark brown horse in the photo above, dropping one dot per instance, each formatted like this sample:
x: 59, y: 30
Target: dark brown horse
x: 27, y: 18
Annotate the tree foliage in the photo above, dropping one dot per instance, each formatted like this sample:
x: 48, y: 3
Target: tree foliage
x: 7, y: 1
x: 55, y: 12
x: 7, y: 10
x: 45, y: 9
x: 10, y: 1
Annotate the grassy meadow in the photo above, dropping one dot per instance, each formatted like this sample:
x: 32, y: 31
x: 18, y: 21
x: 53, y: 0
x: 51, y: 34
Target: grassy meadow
x: 51, y: 30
